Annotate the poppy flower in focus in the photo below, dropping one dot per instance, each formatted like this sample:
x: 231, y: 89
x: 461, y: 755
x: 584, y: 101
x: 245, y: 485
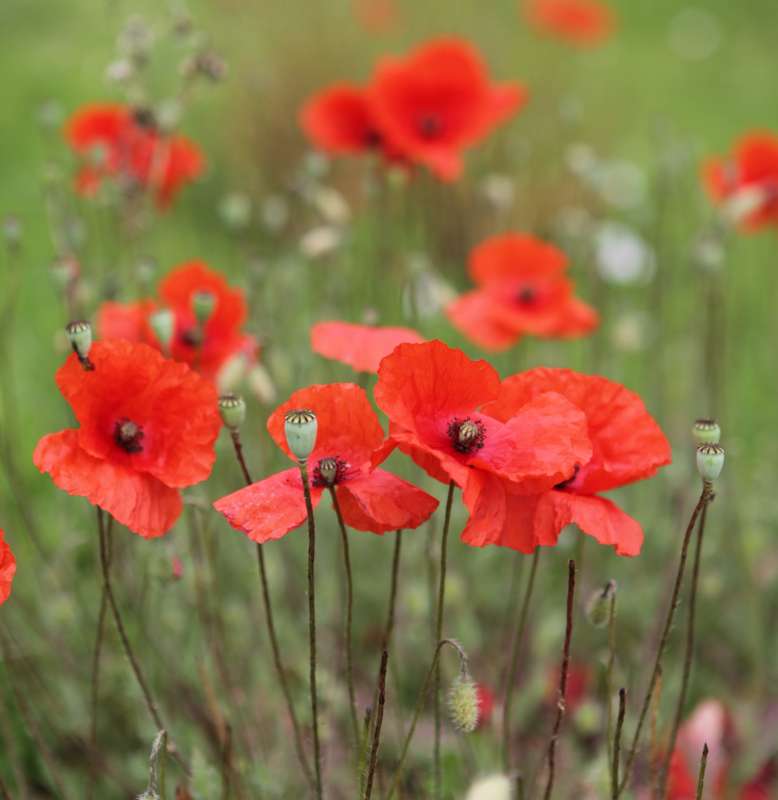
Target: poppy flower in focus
x: 360, y: 346
x: 435, y: 398
x: 522, y: 289
x: 582, y: 22
x: 438, y: 101
x: 345, y: 458
x: 147, y: 427
x: 205, y: 345
x: 627, y: 446
x: 747, y: 182
x: 7, y: 568
x: 117, y: 141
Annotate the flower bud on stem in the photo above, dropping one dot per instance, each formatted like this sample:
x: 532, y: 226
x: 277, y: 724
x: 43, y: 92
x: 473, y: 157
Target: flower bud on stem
x: 80, y: 338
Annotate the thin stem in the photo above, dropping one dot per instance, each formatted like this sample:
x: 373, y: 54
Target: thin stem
x: 439, y: 634
x: 349, y: 618
x: 514, y: 660
x: 689, y: 655
x: 560, y: 706
x: 701, y: 776
x: 128, y: 651
x: 312, y: 625
x: 617, y: 742
x: 379, y: 718
x: 271, y: 628
x: 609, y: 681
x: 422, y: 701
x: 705, y: 496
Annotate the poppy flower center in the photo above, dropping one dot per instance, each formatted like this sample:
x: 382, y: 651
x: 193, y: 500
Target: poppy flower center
x: 526, y: 296
x: 191, y: 337
x: 467, y: 435
x: 329, y: 471
x: 144, y: 117
x: 430, y: 126
x: 372, y: 138
x: 128, y: 435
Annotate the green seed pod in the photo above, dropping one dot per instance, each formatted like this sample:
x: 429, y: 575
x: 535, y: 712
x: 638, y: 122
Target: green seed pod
x: 232, y: 408
x: 463, y: 703
x: 706, y: 431
x: 163, y: 323
x: 80, y: 338
x: 203, y: 306
x: 598, y: 607
x: 710, y: 461
x: 301, y: 427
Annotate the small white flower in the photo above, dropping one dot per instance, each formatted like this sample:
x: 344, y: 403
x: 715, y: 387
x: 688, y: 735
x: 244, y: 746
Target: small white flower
x: 320, y: 241
x: 623, y: 257
x: 495, y: 787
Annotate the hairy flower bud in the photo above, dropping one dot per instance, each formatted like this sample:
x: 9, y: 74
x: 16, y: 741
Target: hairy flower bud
x: 706, y: 431
x: 598, y: 607
x: 463, y: 703
x: 163, y: 323
x: 710, y: 461
x: 301, y: 427
x: 203, y: 306
x: 232, y: 408
x: 80, y: 338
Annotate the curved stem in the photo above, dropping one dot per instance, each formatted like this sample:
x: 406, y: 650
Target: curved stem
x: 438, y: 635
x: 128, y: 651
x: 312, y: 626
x: 689, y: 655
x: 561, y: 697
x: 514, y: 660
x: 349, y: 619
x: 705, y: 496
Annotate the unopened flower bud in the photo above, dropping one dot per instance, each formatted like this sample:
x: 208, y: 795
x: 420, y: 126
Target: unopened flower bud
x: 301, y: 427
x: 598, y: 607
x: 163, y: 323
x: 710, y: 461
x: 232, y: 408
x: 463, y: 703
x: 706, y: 431
x: 203, y: 305
x: 80, y: 338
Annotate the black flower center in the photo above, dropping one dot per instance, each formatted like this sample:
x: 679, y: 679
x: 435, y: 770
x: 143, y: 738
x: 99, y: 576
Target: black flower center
x: 430, y: 126
x: 329, y: 471
x: 191, y: 337
x: 526, y: 296
x: 372, y: 138
x: 128, y: 435
x: 467, y: 435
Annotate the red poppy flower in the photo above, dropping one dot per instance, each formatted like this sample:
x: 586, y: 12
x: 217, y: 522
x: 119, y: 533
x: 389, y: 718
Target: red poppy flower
x: 360, y: 346
x: 522, y: 290
x: 347, y: 452
x: 7, y: 568
x: 627, y: 446
x: 147, y: 427
x: 583, y: 22
x: 435, y: 398
x: 749, y: 178
x: 117, y: 141
x: 376, y: 16
x: 438, y: 101
x: 206, y: 348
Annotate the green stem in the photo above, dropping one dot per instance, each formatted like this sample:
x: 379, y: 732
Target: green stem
x: 617, y: 742
x: 609, y: 681
x: 379, y: 718
x: 701, y: 776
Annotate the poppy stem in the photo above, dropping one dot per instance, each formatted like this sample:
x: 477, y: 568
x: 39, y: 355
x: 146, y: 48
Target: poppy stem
x: 312, y: 625
x: 701, y: 776
x: 128, y: 651
x: 514, y: 661
x: 560, y: 705
x: 689, y: 656
x: 425, y: 691
x: 271, y: 627
x: 609, y: 739
x: 705, y: 496
x: 379, y: 718
x: 617, y: 742
x: 349, y: 618
x: 439, y: 634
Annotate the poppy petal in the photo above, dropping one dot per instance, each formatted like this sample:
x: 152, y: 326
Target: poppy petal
x: 472, y: 314
x: 7, y: 568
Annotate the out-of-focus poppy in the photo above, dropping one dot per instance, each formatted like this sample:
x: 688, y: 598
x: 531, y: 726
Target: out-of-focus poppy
x: 7, y: 568
x: 582, y: 22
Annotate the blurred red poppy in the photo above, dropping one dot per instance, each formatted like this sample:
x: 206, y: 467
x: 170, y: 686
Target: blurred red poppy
x: 117, y: 141
x: 147, y: 427
x: 435, y: 398
x: 485, y: 705
x: 522, y: 289
x: 376, y: 16
x: 582, y: 22
x: 207, y: 346
x: 748, y: 180
x: 360, y: 346
x: 7, y: 568
x: 347, y: 452
x: 627, y: 446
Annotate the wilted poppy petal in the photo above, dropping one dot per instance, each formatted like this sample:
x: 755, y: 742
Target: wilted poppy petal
x: 381, y: 502
x: 135, y: 499
x: 362, y: 347
x: 268, y: 509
